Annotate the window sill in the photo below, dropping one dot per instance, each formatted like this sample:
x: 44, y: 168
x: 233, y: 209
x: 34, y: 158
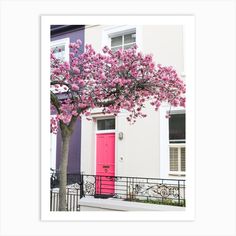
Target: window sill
x: 177, y: 174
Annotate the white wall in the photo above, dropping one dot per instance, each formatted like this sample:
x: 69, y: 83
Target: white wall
x: 139, y: 153
x: 93, y: 35
x: 53, y: 140
x: 87, y: 146
x: 136, y: 155
x: 140, y: 146
x: 165, y: 42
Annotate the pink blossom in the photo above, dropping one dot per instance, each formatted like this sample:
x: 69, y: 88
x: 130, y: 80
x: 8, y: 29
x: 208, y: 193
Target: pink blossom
x: 76, y: 70
x: 105, y: 49
x: 79, y: 42
x: 82, y: 105
x: 81, y: 83
x: 75, y: 87
x: 125, y: 79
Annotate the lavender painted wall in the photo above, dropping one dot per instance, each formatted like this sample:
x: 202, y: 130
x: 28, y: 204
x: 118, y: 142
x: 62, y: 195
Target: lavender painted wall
x: 74, y: 33
x: 74, y: 152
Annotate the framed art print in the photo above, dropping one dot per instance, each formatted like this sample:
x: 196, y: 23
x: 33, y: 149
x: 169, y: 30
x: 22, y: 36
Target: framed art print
x: 134, y: 157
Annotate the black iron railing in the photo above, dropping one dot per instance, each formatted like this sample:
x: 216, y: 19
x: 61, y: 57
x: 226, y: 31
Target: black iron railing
x: 150, y: 190
x: 72, y: 178
x: 73, y: 191
x: 138, y: 189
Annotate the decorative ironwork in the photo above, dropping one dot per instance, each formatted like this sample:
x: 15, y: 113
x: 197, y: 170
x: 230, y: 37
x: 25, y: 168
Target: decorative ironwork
x: 54, y: 180
x: 72, y: 178
x: 148, y: 190
x: 162, y: 191
x: 89, y: 185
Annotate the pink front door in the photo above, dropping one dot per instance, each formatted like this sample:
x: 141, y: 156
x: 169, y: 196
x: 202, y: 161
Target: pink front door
x: 105, y: 163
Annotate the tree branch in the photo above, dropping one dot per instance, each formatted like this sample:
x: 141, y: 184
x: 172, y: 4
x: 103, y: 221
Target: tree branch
x: 55, y: 102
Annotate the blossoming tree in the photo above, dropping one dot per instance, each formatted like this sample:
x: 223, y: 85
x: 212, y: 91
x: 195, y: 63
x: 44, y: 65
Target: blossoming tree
x: 125, y: 79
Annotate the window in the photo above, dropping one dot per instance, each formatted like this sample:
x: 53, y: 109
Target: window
x: 177, y: 128
x: 106, y: 124
x: 61, y: 48
x: 177, y: 158
x: 123, y: 41
x: 177, y: 144
x: 61, y: 51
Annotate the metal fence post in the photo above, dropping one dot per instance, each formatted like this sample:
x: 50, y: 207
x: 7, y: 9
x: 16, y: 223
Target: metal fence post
x: 178, y: 193
x: 184, y: 192
x: 81, y: 185
x: 50, y: 199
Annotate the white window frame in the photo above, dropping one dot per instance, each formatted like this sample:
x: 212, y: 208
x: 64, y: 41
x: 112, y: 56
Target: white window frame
x: 122, y: 45
x: 165, y: 144
x: 179, y: 145
x: 61, y: 42
x: 106, y: 130
x: 117, y: 30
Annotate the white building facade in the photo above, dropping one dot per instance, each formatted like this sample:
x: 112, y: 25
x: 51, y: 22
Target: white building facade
x: 153, y: 147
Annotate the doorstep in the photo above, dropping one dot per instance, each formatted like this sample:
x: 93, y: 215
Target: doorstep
x: 113, y: 204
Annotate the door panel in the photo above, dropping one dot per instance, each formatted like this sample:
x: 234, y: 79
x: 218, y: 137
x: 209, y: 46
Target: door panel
x: 105, y: 163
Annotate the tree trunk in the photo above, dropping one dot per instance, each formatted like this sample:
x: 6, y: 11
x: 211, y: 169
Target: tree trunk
x: 63, y: 171
x: 66, y: 133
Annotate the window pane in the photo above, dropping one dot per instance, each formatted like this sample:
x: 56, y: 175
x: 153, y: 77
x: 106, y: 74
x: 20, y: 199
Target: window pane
x: 59, y: 52
x: 173, y: 159
x: 114, y: 49
x: 59, y: 48
x: 177, y: 127
x: 116, y: 41
x: 183, y: 159
x: 128, y: 46
x: 129, y: 38
x: 106, y: 124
